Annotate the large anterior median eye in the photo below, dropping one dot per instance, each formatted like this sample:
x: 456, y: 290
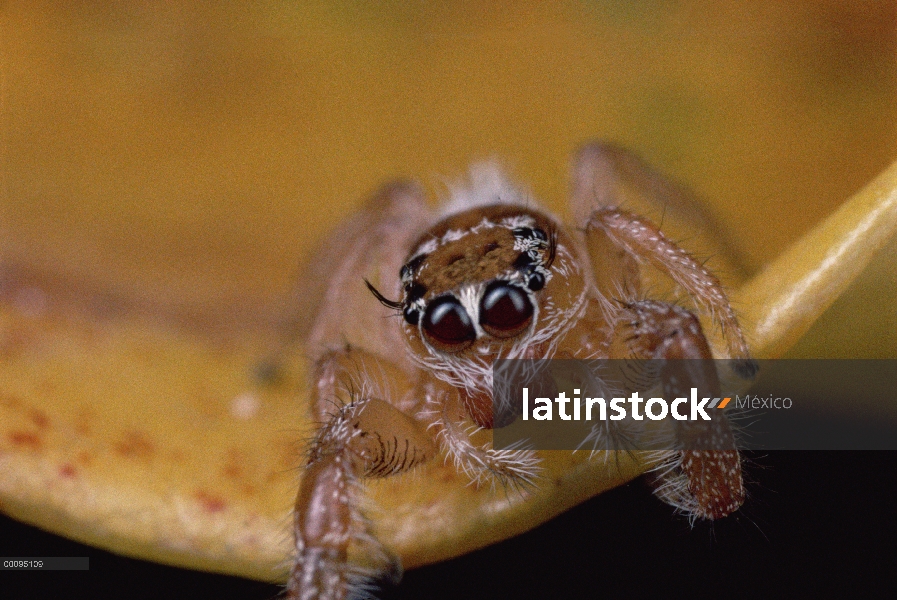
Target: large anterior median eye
x: 447, y: 325
x: 505, y: 310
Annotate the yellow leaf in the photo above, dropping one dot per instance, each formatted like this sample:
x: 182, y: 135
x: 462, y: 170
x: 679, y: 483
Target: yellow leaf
x: 146, y: 438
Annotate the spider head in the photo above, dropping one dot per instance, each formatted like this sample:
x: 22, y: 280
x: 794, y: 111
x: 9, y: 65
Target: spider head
x: 488, y: 282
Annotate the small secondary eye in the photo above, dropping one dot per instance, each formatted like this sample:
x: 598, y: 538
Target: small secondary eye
x: 407, y: 271
x: 505, y: 310
x: 447, y: 325
x: 414, y: 292
x: 536, y: 281
x: 412, y: 315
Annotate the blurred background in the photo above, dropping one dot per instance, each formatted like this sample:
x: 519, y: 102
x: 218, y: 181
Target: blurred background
x: 189, y: 155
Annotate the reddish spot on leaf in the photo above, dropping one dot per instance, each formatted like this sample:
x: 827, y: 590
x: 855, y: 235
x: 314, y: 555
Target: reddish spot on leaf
x: 39, y: 418
x: 83, y: 421
x: 233, y: 466
x: 135, y: 444
x: 25, y: 439
x: 67, y: 471
x: 9, y: 401
x: 231, y: 471
x: 209, y: 502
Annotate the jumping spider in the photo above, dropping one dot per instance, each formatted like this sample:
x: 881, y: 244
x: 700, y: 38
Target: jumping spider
x: 402, y: 369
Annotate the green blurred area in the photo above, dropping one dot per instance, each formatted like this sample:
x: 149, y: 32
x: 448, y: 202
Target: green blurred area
x: 192, y: 154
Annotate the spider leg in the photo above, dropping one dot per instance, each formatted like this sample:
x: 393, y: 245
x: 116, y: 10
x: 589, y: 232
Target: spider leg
x: 367, y: 437
x: 606, y: 176
x: 511, y: 467
x: 703, y: 479
x: 330, y: 304
x: 640, y: 241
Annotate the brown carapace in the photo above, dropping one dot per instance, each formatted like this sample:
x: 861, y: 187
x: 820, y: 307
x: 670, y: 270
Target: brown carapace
x: 403, y: 365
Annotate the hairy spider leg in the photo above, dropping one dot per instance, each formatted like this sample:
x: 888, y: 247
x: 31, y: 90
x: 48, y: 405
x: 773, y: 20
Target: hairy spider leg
x: 363, y: 436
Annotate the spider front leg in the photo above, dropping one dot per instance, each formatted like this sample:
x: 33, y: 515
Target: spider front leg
x: 512, y: 467
x: 703, y: 482
x: 606, y: 179
x: 703, y: 479
x: 365, y: 437
x: 613, y: 233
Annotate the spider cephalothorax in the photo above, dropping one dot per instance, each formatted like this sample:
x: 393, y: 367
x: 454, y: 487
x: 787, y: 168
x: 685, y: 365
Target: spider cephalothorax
x: 491, y: 278
x: 498, y: 281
